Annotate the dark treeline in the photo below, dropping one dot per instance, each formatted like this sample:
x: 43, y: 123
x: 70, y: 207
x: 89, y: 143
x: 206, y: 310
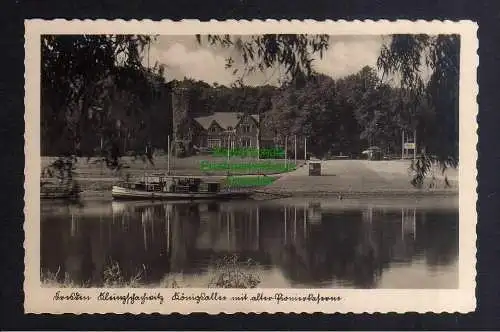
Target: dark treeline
x: 97, y: 98
x: 337, y: 116
x: 342, y: 116
x: 205, y: 99
x: 129, y: 128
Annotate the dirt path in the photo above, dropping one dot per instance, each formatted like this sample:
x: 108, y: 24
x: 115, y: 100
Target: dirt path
x: 353, y: 176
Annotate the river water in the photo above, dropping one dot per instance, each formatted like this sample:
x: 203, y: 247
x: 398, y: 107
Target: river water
x: 313, y: 243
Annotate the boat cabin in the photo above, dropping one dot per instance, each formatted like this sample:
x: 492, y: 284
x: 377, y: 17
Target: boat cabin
x: 163, y: 183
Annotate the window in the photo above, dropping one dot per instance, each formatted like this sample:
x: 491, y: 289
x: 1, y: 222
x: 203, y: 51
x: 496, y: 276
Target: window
x: 245, y: 142
x: 245, y: 128
x: 214, y: 143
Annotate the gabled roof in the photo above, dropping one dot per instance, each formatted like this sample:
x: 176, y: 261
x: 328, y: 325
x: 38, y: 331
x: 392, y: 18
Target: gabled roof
x: 223, y: 119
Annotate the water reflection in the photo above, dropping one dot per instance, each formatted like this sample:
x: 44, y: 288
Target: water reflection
x: 299, y: 245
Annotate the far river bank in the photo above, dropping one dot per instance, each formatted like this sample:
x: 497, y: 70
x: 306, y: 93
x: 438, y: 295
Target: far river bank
x: 339, y: 179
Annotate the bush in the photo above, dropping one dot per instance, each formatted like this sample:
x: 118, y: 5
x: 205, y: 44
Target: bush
x: 231, y: 273
x: 113, y: 276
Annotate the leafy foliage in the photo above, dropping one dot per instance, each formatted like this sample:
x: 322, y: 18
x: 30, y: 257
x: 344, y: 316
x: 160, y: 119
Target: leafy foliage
x: 411, y: 57
x: 295, y: 53
x: 230, y: 272
x: 204, y: 99
x: 92, y: 85
x: 113, y: 276
x: 343, y: 116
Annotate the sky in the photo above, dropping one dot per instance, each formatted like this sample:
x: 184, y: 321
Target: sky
x: 183, y: 57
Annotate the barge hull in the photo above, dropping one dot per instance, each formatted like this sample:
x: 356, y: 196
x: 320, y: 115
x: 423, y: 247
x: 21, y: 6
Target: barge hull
x: 119, y: 193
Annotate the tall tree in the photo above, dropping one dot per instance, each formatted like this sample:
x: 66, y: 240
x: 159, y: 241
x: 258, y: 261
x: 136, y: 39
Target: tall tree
x: 410, y: 57
x: 82, y: 76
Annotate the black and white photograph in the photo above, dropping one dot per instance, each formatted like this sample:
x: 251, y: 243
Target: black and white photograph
x: 243, y: 161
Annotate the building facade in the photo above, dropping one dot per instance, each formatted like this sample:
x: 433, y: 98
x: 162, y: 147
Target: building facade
x: 227, y: 129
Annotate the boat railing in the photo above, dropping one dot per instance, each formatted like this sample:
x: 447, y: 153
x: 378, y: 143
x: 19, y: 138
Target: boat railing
x: 127, y: 185
x: 182, y: 188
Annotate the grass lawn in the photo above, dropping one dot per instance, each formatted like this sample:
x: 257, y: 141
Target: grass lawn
x: 248, y: 181
x: 178, y: 166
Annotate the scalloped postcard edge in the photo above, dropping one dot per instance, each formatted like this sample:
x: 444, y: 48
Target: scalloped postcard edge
x: 40, y: 299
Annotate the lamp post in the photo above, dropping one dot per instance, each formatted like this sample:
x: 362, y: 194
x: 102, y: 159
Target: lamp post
x: 295, y: 149
x: 305, y: 149
x: 286, y: 149
x: 402, y: 144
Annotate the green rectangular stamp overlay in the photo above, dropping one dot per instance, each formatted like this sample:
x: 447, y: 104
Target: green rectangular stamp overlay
x: 270, y: 166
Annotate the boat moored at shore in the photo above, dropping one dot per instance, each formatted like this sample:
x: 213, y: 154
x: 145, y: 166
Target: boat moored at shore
x: 161, y: 187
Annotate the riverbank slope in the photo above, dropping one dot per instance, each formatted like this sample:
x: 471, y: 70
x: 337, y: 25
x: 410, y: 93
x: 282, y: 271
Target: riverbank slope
x: 344, y: 178
x: 339, y: 178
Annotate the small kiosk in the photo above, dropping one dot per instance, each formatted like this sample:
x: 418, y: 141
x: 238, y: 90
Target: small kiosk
x: 314, y: 168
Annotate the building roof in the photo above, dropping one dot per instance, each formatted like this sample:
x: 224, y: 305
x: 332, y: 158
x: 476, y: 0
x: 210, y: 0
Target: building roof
x: 224, y: 119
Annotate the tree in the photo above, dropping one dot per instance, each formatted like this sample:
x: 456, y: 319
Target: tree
x: 82, y: 77
x: 409, y: 56
x: 295, y: 53
x: 319, y: 110
x: 381, y: 110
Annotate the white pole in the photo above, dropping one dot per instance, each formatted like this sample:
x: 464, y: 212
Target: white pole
x: 305, y: 149
x: 286, y: 148
x: 295, y: 148
x: 414, y: 144
x: 258, y: 143
x: 402, y: 144
x: 228, y: 148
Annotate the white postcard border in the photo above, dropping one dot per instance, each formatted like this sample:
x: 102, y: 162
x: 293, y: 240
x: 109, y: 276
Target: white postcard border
x: 41, y: 300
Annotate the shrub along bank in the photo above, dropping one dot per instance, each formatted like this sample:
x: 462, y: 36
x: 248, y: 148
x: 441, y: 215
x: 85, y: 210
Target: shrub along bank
x: 248, y: 181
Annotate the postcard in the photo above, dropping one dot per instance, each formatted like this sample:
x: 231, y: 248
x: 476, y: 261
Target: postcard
x: 250, y: 166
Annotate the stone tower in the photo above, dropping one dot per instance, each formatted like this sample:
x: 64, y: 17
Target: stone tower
x: 180, y: 109
x: 181, y: 117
